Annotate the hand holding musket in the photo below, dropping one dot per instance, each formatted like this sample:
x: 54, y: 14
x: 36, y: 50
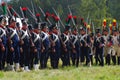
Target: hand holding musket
x: 63, y: 44
x: 0, y: 40
x: 9, y: 44
x: 52, y: 45
x: 73, y: 47
x: 21, y: 42
x: 21, y: 50
x: 32, y: 44
x: 9, y: 41
x: 64, y: 47
x: 52, y: 42
x: 11, y: 49
x: 35, y: 50
x: 43, y: 48
x: 2, y: 47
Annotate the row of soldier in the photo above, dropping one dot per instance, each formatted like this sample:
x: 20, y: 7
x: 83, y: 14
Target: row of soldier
x: 30, y: 47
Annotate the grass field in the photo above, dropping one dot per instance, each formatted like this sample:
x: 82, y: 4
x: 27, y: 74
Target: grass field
x: 67, y: 73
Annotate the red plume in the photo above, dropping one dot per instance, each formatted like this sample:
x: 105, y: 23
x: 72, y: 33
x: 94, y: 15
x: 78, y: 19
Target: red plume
x: 9, y: 7
x: 15, y: 14
x: 47, y: 14
x: 52, y: 15
x: 24, y: 8
x: 57, y: 18
x: 81, y: 19
x: 37, y: 14
x: 75, y: 17
x: 70, y: 16
x: 3, y: 4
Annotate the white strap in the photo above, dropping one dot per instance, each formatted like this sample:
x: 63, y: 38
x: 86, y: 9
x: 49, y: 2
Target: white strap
x: 37, y: 37
x: 14, y: 32
x: 75, y: 39
x: 3, y: 32
x: 56, y: 37
x: 44, y: 36
x: 82, y: 37
x: 67, y: 38
x: 24, y: 34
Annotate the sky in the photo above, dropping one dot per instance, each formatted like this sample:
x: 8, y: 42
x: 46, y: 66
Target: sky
x: 4, y: 0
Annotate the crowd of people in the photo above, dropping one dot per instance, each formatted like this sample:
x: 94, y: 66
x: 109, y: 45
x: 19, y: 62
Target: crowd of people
x: 25, y: 46
x: 30, y: 46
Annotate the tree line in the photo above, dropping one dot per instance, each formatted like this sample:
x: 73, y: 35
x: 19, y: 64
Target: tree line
x: 96, y: 9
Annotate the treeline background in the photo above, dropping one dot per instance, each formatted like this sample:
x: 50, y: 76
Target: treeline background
x: 97, y: 9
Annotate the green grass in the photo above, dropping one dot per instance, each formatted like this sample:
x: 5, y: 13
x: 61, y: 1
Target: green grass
x: 67, y: 73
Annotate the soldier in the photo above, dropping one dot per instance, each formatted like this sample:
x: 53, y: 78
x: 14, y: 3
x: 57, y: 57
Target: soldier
x: 13, y: 45
x: 75, y: 48
x: 65, y: 54
x: 25, y: 45
x: 3, y: 40
x: 108, y: 46
x: 118, y: 54
x: 55, y: 46
x: 45, y: 45
x: 92, y: 50
x: 99, y: 44
x: 37, y: 46
x: 115, y: 46
x: 85, y: 44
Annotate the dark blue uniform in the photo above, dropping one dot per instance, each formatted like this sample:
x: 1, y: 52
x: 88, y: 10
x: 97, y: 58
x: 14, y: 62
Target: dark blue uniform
x: 13, y: 56
x: 45, y: 54
x: 65, y: 54
x: 99, y: 47
x: 25, y: 55
x: 85, y: 50
x: 55, y: 50
x: 37, y: 48
x: 75, y: 53
x: 2, y: 45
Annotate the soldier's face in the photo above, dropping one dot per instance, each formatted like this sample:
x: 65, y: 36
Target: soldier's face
x: 105, y: 32
x: 98, y: 34
x: 25, y: 26
x: 75, y: 32
x: 13, y: 24
x: 82, y: 32
x: 115, y: 33
x: 45, y: 29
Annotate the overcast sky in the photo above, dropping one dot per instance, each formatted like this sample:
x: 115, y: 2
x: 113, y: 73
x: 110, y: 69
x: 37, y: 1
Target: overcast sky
x: 4, y: 0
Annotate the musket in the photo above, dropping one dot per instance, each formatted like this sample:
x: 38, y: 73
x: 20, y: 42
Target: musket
x: 16, y: 13
x: 33, y: 11
x: 32, y: 15
x: 32, y: 8
x: 22, y: 12
x: 71, y: 14
x: 58, y: 17
x: 44, y: 15
x: 9, y: 11
x: 93, y: 26
x: 27, y: 29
